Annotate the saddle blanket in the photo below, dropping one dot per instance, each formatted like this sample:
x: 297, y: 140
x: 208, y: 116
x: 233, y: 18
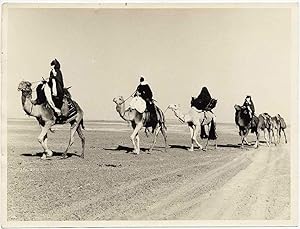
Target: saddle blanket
x: 72, y: 108
x: 138, y: 104
x: 68, y: 108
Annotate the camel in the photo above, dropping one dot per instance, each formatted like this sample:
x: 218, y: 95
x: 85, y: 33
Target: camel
x: 281, y: 126
x: 195, y: 120
x: 46, y: 119
x: 138, y: 121
x: 255, y: 124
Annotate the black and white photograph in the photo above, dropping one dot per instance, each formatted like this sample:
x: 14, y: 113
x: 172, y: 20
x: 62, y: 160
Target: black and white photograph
x: 136, y: 114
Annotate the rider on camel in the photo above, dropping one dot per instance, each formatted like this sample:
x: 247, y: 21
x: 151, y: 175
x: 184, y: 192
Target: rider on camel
x: 144, y: 91
x: 248, y: 103
x: 52, y: 89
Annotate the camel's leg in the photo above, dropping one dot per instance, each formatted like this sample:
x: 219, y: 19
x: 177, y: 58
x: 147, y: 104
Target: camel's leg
x: 196, y: 132
x: 48, y: 151
x: 205, y: 147
x: 73, y: 129
x: 192, y: 138
x: 278, y: 140
x: 137, y: 137
x: 136, y: 130
x: 42, y: 137
x: 257, y: 139
x: 82, y: 137
x: 243, y: 138
x: 155, y: 137
x: 284, y: 135
x: 274, y: 136
x: 164, y: 134
x: 280, y: 134
x: 268, y: 144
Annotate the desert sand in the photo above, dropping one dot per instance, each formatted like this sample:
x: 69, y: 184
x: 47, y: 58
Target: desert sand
x: 112, y: 183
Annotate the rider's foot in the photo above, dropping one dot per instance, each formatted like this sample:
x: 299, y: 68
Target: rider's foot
x: 58, y: 112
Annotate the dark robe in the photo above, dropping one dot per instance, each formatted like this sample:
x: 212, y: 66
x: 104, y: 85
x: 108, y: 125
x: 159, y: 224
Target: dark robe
x: 145, y: 92
x: 251, y: 105
x: 203, y: 99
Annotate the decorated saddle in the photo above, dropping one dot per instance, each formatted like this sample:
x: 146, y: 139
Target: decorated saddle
x: 67, y: 105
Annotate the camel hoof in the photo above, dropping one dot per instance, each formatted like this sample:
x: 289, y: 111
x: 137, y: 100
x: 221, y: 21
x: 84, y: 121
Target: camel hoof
x: 204, y: 149
x: 44, y: 157
x: 49, y: 153
x: 82, y: 156
x: 191, y: 150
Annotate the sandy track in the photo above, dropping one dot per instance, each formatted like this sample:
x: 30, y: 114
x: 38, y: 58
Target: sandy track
x: 228, y: 183
x: 261, y: 191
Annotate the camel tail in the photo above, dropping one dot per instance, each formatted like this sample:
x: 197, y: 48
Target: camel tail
x: 212, y: 131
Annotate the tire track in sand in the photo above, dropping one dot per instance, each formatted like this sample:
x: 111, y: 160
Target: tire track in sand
x: 73, y: 210
x: 260, y: 192
x: 185, y: 196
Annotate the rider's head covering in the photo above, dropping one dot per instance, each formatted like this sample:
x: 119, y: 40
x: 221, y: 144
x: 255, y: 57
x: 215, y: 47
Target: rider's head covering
x: 142, y: 79
x: 55, y: 63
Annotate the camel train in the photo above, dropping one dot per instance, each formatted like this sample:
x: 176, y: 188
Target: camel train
x: 199, y: 119
x: 195, y: 119
x: 271, y: 126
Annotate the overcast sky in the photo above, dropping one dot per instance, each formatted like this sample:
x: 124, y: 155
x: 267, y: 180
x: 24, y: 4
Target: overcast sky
x: 233, y: 51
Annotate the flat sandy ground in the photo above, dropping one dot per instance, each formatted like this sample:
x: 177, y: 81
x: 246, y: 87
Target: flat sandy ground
x: 111, y: 183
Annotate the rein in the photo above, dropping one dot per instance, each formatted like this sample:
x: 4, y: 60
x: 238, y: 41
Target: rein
x: 127, y: 98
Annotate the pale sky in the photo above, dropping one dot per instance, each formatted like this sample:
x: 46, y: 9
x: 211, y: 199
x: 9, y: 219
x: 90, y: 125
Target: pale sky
x: 233, y: 51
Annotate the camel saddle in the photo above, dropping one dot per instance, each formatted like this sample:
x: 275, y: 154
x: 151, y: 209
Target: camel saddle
x: 68, y: 107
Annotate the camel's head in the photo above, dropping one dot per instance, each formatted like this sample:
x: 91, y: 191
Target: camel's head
x: 174, y: 107
x: 118, y: 100
x: 242, y: 115
x: 24, y: 86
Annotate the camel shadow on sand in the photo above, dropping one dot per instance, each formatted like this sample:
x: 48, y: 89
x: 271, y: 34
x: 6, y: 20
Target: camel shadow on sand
x: 238, y: 146
x: 130, y: 149
x: 40, y: 154
x: 235, y: 146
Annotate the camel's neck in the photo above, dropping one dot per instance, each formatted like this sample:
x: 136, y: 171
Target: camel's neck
x: 180, y: 115
x: 28, y: 107
x: 121, y: 110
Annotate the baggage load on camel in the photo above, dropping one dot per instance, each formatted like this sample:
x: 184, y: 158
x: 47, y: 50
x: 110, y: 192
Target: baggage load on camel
x: 138, y: 104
